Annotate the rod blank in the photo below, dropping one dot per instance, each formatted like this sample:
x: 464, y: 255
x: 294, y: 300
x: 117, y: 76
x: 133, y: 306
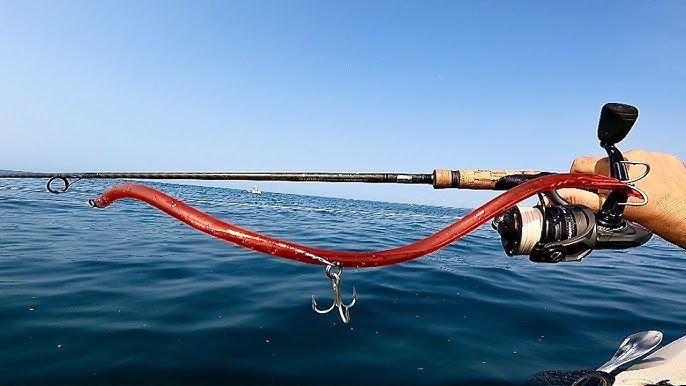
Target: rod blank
x: 440, y: 178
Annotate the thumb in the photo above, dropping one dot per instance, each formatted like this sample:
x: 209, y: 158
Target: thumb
x: 581, y: 197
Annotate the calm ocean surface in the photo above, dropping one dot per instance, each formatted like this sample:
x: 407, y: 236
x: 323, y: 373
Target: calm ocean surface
x: 127, y: 295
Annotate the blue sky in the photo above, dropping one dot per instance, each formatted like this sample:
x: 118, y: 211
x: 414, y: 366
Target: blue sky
x: 359, y: 86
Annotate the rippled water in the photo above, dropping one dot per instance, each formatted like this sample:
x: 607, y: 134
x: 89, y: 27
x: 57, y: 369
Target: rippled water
x: 127, y: 295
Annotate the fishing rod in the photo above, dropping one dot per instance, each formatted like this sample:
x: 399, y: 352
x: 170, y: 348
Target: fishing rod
x: 552, y: 231
x: 547, y: 233
x: 519, y: 227
x: 614, y: 120
x: 439, y: 178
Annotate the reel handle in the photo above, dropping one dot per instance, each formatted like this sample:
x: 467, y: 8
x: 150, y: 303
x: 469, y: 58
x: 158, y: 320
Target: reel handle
x: 616, y: 120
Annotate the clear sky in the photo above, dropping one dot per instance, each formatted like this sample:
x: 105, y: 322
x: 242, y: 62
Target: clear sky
x: 359, y: 86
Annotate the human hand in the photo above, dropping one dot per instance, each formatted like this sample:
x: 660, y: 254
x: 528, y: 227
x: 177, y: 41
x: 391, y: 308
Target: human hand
x: 665, y: 187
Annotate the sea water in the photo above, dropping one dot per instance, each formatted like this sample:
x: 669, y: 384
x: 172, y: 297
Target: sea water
x: 128, y: 295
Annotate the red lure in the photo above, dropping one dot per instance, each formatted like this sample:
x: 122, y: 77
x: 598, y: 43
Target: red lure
x: 261, y: 243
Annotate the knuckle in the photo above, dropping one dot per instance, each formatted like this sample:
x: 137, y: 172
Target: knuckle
x: 636, y: 154
x: 582, y: 164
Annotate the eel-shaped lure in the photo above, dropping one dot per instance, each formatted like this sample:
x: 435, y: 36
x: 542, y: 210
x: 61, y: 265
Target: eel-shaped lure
x: 305, y: 254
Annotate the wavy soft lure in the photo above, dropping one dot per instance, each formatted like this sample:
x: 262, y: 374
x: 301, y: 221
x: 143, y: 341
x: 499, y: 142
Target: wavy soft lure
x: 287, y: 250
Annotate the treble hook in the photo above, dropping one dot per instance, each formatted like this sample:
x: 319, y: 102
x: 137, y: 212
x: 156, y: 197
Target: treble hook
x: 343, y: 309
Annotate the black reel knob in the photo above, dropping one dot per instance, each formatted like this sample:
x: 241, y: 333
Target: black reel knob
x: 616, y: 120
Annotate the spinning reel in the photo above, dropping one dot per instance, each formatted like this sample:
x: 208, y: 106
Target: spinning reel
x: 566, y: 232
